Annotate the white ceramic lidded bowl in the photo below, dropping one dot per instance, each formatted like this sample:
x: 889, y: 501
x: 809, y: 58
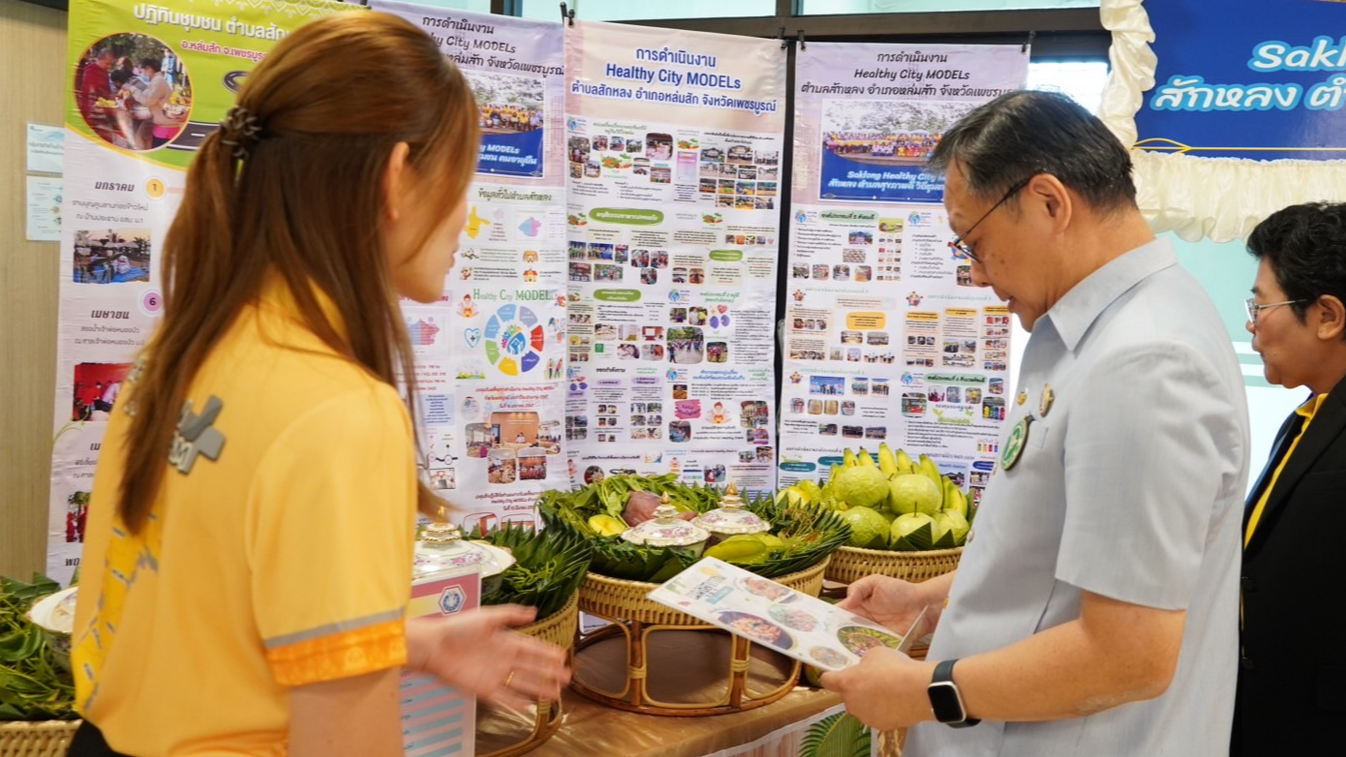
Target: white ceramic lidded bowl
x: 55, y: 615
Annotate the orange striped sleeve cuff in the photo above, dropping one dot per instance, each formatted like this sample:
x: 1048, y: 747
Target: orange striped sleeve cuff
x: 340, y: 655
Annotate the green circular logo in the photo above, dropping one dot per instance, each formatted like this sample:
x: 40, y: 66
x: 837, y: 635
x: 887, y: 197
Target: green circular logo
x: 1014, y: 444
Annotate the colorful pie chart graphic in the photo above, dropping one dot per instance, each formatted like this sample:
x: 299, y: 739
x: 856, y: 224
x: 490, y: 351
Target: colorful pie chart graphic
x: 514, y: 339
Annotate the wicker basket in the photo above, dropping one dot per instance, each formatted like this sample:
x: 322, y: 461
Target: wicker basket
x: 850, y: 564
x: 629, y: 600
x: 559, y: 629
x: 46, y: 738
x: 634, y: 617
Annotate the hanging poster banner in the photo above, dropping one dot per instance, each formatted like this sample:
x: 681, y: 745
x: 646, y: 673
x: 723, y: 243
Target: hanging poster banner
x: 1234, y: 110
x: 148, y: 82
x: 886, y: 337
x: 491, y: 354
x: 673, y: 147
x: 1260, y: 83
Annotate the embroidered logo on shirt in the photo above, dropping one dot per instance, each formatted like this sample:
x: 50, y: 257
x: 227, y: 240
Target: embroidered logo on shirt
x: 195, y: 435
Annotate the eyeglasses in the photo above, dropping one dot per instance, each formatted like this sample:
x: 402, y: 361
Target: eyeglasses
x: 966, y: 249
x: 1254, y: 308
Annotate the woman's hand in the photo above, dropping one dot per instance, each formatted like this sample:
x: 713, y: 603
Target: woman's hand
x: 478, y: 653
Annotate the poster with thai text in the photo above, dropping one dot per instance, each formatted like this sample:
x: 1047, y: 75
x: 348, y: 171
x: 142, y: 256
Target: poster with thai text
x: 673, y: 156
x: 886, y: 337
x: 491, y: 353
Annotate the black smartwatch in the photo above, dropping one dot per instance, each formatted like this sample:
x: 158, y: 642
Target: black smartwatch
x: 945, y: 699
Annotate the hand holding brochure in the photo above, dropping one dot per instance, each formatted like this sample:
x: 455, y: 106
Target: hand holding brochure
x: 765, y: 612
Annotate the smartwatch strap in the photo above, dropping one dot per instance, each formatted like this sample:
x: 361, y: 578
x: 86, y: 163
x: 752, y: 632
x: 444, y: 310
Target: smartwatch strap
x: 944, y: 674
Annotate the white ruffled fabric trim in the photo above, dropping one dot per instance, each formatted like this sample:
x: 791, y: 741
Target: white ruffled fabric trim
x: 1219, y: 198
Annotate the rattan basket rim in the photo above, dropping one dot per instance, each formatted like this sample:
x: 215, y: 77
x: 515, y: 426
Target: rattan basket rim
x: 40, y: 738
x: 553, y: 628
x: 615, y: 598
x: 893, y: 554
x: 798, y: 575
x: 30, y: 726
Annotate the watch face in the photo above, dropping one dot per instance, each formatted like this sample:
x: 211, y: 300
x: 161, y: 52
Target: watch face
x: 946, y: 702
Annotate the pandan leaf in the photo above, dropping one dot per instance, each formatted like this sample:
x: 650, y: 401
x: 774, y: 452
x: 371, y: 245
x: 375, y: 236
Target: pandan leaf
x: 946, y: 541
x: 839, y: 735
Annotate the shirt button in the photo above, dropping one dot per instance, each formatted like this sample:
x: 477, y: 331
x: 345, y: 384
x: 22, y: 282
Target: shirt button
x: 971, y: 533
x: 1248, y: 583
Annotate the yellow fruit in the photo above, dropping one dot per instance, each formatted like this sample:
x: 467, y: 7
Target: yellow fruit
x: 955, y: 500
x: 931, y: 471
x: 607, y: 525
x: 904, y: 465
x: 739, y: 550
x: 887, y: 463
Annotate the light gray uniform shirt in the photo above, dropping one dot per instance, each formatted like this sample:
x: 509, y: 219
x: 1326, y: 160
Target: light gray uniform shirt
x: 1130, y: 486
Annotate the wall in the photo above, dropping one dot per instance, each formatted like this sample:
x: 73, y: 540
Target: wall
x: 33, y: 38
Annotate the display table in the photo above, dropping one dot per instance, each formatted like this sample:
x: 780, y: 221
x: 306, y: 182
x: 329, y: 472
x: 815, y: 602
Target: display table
x: 591, y: 729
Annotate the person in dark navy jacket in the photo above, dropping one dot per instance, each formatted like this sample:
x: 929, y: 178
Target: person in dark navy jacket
x: 1292, y: 674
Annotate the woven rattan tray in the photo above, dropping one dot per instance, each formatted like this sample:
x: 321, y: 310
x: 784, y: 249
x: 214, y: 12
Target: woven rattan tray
x: 628, y: 600
x: 850, y: 564
x: 753, y: 676
x: 46, y: 738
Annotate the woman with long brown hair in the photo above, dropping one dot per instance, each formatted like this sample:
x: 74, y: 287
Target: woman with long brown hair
x: 249, y: 548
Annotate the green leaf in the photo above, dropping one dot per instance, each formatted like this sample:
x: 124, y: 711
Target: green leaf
x: 900, y: 544
x: 920, y: 538
x: 946, y: 541
x: 839, y: 735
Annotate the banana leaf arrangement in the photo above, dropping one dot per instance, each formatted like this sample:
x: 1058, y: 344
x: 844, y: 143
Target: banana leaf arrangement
x: 805, y: 535
x: 32, y: 685
x: 549, y: 567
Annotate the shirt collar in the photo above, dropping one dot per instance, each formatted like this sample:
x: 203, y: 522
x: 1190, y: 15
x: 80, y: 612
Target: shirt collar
x: 1074, y: 313
x: 1311, y: 406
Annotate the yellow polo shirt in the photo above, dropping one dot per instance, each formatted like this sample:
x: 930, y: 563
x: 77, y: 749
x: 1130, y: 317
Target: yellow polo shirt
x: 278, y: 553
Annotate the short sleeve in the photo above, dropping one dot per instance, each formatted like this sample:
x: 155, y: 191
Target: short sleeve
x: 330, y: 533
x: 1151, y: 458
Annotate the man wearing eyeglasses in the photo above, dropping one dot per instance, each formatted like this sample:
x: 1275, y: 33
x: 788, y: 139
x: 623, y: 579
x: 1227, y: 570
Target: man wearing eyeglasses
x: 1092, y: 612
x: 1292, y: 666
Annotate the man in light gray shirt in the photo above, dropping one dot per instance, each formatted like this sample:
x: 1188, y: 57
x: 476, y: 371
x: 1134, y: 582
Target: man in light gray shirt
x: 1095, y: 609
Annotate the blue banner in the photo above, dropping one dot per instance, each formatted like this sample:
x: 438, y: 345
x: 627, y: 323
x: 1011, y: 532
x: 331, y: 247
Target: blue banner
x: 511, y: 154
x: 877, y: 172
x: 1258, y: 79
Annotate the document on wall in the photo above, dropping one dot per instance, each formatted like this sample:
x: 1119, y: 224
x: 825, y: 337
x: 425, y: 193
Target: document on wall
x: 44, y: 209
x: 673, y: 146
x: 490, y: 354
x: 887, y: 338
